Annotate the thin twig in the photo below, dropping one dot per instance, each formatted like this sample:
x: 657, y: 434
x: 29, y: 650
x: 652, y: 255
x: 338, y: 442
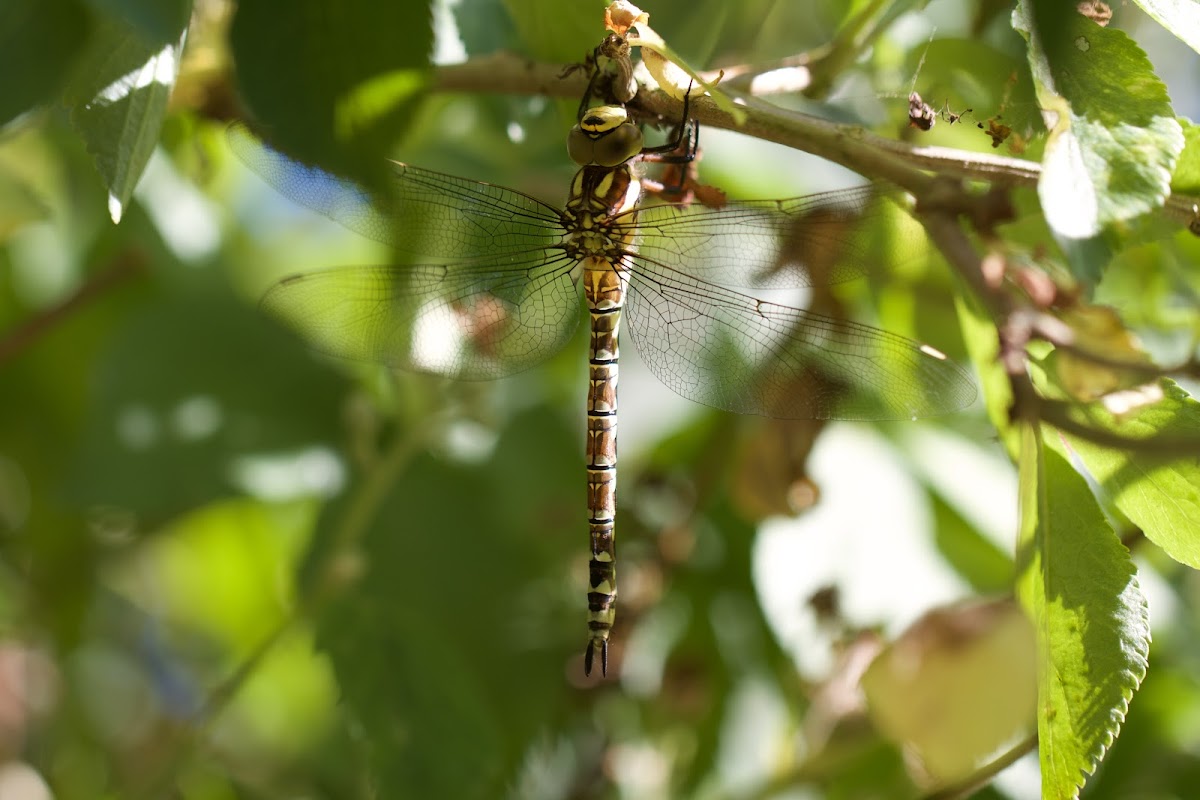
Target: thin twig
x: 332, y: 579
x: 984, y: 775
x: 1016, y: 330
x: 1146, y: 370
x: 849, y: 145
x: 1057, y: 414
x: 947, y: 235
x: 125, y: 266
x: 854, y: 37
x: 364, y: 506
x: 783, y: 76
x: 163, y: 775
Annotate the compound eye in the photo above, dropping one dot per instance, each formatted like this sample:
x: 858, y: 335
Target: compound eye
x: 580, y: 147
x: 618, y: 145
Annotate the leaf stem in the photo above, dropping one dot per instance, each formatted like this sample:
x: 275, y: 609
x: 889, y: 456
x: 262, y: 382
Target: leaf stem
x: 334, y: 575
x: 125, y: 266
x: 852, y: 146
x: 1015, y: 329
x: 848, y: 44
x: 984, y: 775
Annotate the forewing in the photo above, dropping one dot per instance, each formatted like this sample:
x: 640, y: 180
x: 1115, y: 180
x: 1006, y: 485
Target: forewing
x: 435, y: 217
x: 734, y: 352
x: 476, y: 320
x: 801, y: 241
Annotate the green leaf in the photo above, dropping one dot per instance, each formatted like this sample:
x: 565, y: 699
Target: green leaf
x: 39, y: 41
x: 983, y: 346
x: 556, y: 31
x: 119, y: 99
x: 485, y: 26
x: 333, y: 85
x: 1186, y: 179
x: 194, y: 385
x: 1162, y: 497
x: 1180, y: 17
x: 451, y: 650
x: 157, y: 22
x: 1113, y: 138
x: 1078, y: 584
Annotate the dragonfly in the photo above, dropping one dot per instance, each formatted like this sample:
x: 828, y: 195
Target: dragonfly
x: 487, y: 282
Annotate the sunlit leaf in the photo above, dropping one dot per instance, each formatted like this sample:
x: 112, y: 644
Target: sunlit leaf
x: 1180, y: 17
x: 1160, y: 495
x: 119, y: 100
x: 1078, y: 584
x: 1113, y: 143
x: 1187, y: 170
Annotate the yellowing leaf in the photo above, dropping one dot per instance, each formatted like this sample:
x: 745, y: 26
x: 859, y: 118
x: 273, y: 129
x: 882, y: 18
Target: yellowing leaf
x: 1098, y: 330
x: 956, y: 686
x: 1160, y: 496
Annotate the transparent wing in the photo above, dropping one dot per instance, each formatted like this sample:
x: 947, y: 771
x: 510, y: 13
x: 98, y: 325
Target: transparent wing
x: 801, y: 241
x: 734, y: 352
x: 481, y: 319
x: 438, y: 217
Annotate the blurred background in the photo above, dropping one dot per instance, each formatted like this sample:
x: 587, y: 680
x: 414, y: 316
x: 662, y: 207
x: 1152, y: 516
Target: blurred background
x: 232, y: 568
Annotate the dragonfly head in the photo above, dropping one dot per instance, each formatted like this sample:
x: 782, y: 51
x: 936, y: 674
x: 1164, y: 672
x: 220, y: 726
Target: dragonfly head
x: 604, y: 136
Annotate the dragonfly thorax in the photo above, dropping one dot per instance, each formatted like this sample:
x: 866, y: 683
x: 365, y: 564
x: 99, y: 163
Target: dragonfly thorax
x: 595, y: 218
x: 591, y: 242
x: 604, y: 137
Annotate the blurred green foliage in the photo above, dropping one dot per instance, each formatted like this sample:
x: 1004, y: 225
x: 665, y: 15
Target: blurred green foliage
x: 230, y: 568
